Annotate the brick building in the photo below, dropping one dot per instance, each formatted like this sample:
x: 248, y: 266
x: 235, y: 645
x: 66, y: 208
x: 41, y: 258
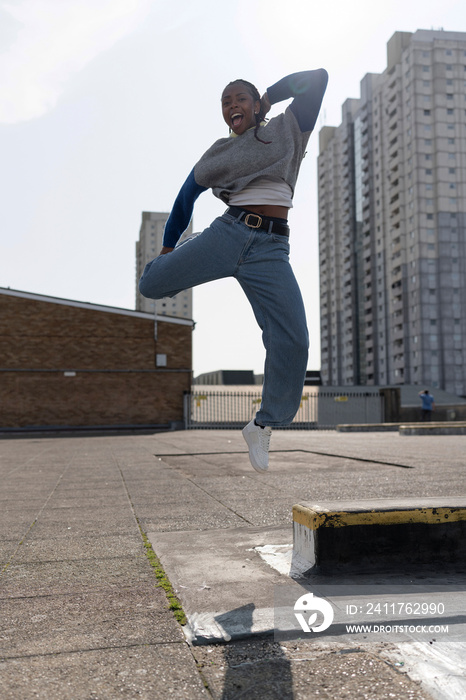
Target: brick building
x: 68, y: 363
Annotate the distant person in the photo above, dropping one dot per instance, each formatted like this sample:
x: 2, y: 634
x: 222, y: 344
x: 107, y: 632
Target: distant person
x: 428, y: 405
x: 254, y: 171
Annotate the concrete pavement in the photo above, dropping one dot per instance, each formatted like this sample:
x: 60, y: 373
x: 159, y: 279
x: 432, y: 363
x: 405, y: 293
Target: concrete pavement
x: 83, y: 617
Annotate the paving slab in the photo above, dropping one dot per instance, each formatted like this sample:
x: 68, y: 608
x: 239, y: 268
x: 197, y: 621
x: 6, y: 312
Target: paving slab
x: 154, y: 672
x: 84, y: 547
x: 167, y: 494
x: 83, y: 590
x: 88, y: 513
x: 257, y: 669
x: 53, y: 624
x: 7, y: 549
x: 441, y: 669
x: 234, y: 593
x: 14, y: 530
x: 73, y: 500
x: 218, y: 570
x: 63, y: 523
x: 20, y: 501
x: 197, y: 518
x: 375, y: 468
x: 69, y: 576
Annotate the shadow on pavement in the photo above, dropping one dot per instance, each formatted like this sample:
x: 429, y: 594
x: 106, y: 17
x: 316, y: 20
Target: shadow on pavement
x: 253, y: 669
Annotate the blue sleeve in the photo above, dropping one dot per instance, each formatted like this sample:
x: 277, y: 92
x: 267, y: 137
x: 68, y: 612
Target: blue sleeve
x: 182, y: 211
x: 308, y: 89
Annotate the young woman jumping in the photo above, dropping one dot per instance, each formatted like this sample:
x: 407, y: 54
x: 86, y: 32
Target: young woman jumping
x: 254, y: 171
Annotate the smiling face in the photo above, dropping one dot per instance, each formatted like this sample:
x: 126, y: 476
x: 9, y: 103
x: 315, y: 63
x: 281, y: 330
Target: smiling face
x: 239, y: 108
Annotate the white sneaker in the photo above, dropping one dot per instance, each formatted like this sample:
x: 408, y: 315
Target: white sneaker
x: 258, y: 440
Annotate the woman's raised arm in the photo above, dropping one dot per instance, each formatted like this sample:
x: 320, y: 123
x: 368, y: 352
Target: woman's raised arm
x: 308, y: 89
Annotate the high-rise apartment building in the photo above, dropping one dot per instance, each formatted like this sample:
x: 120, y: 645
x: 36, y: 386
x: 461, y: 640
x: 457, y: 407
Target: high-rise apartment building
x: 392, y: 221
x: 147, y: 248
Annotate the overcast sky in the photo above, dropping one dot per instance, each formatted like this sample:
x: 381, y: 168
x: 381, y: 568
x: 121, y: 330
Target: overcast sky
x: 105, y: 106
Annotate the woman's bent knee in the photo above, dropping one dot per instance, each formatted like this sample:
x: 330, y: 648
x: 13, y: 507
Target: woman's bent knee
x: 144, y: 288
x: 149, y: 283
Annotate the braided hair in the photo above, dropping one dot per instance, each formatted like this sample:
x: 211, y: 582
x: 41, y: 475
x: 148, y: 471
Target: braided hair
x: 254, y: 92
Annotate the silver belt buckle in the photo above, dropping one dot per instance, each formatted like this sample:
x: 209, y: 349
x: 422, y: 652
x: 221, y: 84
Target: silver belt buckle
x: 259, y: 221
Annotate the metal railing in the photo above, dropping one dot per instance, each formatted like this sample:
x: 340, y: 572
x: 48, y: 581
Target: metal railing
x: 319, y: 410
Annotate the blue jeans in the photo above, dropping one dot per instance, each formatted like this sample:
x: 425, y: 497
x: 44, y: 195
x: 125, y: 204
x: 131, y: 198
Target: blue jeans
x: 259, y: 261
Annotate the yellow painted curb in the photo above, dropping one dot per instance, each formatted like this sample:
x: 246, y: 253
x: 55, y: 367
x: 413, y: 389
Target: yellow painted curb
x: 314, y: 519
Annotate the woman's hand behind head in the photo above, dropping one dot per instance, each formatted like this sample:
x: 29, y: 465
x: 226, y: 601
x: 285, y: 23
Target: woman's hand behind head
x: 265, y: 106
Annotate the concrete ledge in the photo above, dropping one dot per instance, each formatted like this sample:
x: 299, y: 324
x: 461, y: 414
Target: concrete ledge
x: 430, y: 428
x: 380, y: 534
x: 367, y: 427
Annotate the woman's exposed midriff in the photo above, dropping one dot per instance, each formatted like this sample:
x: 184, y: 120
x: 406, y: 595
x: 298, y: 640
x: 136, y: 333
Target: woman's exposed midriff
x: 268, y: 210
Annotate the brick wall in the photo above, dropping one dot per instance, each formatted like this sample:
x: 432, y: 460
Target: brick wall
x: 112, y: 356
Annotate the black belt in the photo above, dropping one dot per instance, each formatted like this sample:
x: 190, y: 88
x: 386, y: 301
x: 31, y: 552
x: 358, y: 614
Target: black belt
x: 261, y: 222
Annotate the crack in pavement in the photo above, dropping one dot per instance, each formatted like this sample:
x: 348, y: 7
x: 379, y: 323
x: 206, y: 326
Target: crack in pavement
x: 312, y: 452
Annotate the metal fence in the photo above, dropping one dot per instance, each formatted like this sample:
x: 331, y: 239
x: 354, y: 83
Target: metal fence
x: 319, y: 410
